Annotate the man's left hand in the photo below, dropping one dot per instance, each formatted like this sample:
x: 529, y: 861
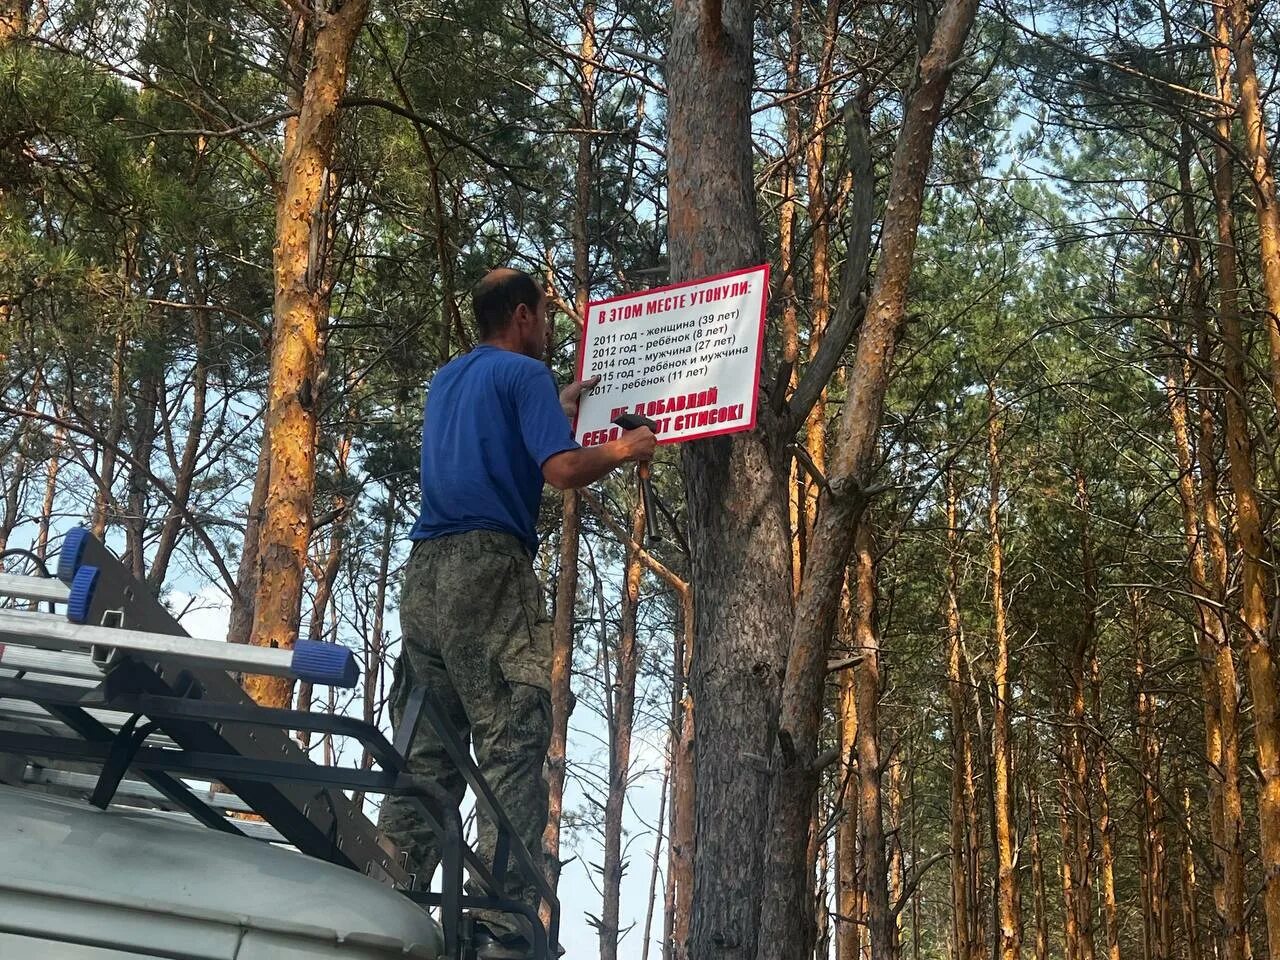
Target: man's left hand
x: 571, y: 394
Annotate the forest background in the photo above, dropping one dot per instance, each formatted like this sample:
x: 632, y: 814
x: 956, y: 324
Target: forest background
x: 965, y: 652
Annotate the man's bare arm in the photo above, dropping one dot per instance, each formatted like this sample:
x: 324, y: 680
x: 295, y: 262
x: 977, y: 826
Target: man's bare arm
x: 579, y: 468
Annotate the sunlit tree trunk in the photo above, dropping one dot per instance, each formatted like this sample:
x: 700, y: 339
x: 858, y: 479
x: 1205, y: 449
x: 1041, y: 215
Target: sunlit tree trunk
x: 848, y: 906
x: 301, y: 308
x: 1078, y: 742
x: 1009, y: 907
x: 1254, y: 613
x: 41, y: 547
x: 1257, y: 156
x: 1037, y: 880
x: 1106, y: 829
x: 868, y: 688
x: 1231, y: 852
x: 562, y: 628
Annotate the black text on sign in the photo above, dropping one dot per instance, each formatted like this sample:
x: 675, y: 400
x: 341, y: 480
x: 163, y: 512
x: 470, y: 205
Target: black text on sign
x: 685, y: 356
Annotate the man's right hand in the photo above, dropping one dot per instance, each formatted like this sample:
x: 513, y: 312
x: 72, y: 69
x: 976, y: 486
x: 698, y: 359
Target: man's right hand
x: 638, y: 444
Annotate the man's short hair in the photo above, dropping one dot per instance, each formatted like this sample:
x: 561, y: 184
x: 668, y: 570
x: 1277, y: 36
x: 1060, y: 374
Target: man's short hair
x: 498, y: 294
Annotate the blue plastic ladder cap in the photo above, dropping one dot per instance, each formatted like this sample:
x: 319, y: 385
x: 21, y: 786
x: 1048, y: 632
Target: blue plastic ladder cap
x: 326, y: 663
x: 69, y: 557
x: 81, y: 596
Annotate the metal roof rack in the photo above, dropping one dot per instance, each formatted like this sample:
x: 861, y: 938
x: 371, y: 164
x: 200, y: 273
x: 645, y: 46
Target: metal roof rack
x: 115, y: 686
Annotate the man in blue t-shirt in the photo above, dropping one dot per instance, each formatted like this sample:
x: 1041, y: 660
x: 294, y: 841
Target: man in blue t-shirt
x: 472, y: 614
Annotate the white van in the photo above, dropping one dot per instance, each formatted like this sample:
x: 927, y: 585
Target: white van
x: 79, y: 883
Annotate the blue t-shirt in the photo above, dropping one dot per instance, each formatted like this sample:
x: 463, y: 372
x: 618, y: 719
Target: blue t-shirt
x: 492, y: 420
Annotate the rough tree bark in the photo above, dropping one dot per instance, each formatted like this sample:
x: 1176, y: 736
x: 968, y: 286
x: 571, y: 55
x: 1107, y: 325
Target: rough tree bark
x: 786, y: 890
x: 562, y: 628
x: 1231, y: 851
x: 848, y: 901
x: 1078, y: 741
x: 1257, y: 155
x: 41, y: 547
x: 1106, y: 828
x: 1008, y: 899
x: 142, y: 446
x: 1040, y: 904
x: 868, y: 686
x: 1155, y: 909
x: 961, y: 741
x: 735, y: 487
x: 1253, y: 613
x: 302, y: 290
x: 115, y: 430
x: 820, y: 214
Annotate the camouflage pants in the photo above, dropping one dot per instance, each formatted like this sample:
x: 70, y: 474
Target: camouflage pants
x: 475, y: 632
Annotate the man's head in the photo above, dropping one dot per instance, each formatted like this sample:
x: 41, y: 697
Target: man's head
x: 511, y: 311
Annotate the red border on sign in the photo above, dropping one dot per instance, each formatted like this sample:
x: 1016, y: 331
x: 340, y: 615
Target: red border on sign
x: 755, y: 389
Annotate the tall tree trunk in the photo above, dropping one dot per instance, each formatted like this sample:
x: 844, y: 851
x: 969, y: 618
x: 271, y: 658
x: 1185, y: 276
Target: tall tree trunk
x: 1209, y: 628
x: 143, y: 446
x: 184, y: 469
x: 240, y: 620
x: 961, y: 744
x: 1106, y: 829
x: 562, y: 628
x: 740, y: 572
x: 1254, y: 615
x: 302, y: 290
x: 1257, y: 154
x: 820, y: 214
x: 683, y: 790
x: 323, y: 600
x: 1077, y: 740
x: 376, y: 643
x: 1231, y: 852
x: 1070, y: 932
x: 822, y: 944
x: 16, y: 484
x: 848, y: 903
x: 624, y: 698
x: 657, y: 859
x: 897, y: 858
x: 1009, y: 908
x: 794, y: 773
x: 115, y: 430
x: 1191, y: 922
x: 1154, y: 859
x: 868, y: 688
x: 789, y: 177
x: 41, y: 547
x: 1037, y: 879
x: 1221, y: 740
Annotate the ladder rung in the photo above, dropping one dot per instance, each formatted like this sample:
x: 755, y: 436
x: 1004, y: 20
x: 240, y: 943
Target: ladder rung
x: 25, y: 710
x: 51, y: 662
x: 33, y: 588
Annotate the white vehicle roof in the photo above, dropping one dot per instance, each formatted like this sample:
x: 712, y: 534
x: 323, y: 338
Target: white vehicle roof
x: 78, y: 883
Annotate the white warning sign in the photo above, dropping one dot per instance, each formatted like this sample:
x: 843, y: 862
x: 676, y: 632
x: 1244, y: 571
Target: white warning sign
x: 685, y: 356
